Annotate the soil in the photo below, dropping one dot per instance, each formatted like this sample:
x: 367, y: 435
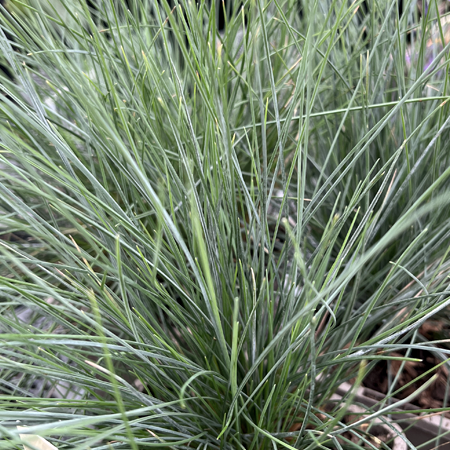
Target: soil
x: 434, y: 396
x: 379, y: 436
x: 434, y: 330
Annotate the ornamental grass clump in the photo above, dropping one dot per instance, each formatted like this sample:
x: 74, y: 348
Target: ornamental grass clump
x: 206, y: 230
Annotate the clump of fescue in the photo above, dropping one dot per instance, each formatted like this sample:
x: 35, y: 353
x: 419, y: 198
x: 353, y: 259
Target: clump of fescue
x: 204, y: 231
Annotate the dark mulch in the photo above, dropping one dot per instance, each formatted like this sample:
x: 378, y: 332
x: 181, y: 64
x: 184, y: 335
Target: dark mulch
x: 433, y: 397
